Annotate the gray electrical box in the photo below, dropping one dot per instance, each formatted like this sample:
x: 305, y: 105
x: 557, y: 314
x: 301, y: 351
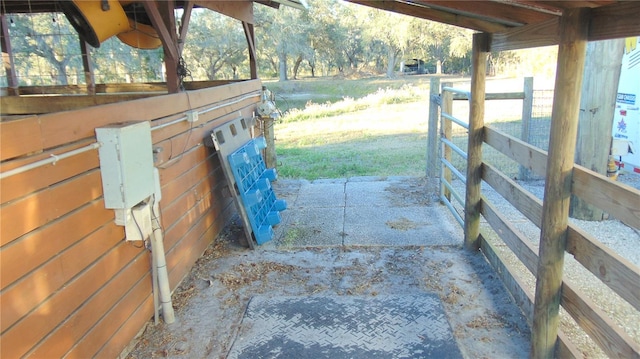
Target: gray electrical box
x: 126, y: 163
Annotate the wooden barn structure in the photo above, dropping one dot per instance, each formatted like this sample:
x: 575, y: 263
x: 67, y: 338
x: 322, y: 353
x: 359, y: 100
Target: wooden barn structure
x: 71, y: 286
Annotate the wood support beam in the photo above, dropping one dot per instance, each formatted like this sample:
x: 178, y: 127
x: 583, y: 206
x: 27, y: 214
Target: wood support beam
x: 7, y: 57
x: 607, y: 22
x: 480, y: 51
x: 597, y: 108
x: 555, y: 212
x: 251, y: 40
x: 184, y: 25
x: 427, y: 13
x: 88, y: 68
x: 505, y: 11
x: 239, y: 9
x: 164, y: 22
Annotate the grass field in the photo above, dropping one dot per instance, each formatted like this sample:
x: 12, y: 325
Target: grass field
x: 334, y: 128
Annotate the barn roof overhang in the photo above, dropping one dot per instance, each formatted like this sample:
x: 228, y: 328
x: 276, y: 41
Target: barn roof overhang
x: 517, y: 24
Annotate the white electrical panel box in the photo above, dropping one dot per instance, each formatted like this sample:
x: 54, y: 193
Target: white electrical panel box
x: 126, y: 163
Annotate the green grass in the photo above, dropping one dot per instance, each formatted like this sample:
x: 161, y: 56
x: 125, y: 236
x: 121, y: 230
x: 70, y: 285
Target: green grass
x: 296, y: 94
x: 380, y: 129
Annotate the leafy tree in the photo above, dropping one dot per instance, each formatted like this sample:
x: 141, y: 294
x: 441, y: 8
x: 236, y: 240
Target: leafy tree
x: 216, y: 46
x: 48, y: 37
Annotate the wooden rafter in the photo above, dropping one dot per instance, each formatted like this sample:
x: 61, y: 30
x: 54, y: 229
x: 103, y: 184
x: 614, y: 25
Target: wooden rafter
x: 493, y: 10
x: 607, y: 22
x: 249, y: 34
x: 424, y: 12
x: 184, y: 25
x: 241, y: 10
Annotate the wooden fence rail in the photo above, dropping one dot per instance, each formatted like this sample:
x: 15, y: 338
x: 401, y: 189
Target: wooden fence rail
x: 619, y: 200
x: 616, y: 272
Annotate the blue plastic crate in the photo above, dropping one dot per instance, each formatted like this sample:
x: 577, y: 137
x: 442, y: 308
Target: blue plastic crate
x: 254, y: 186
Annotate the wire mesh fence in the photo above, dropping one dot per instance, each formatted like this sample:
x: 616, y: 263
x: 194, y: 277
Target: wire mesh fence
x: 506, y: 116
x: 46, y: 52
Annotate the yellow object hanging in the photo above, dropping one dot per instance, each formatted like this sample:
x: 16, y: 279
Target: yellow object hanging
x: 140, y: 36
x: 96, y: 20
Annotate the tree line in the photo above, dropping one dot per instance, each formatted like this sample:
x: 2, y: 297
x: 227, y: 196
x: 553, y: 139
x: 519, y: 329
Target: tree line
x: 331, y: 38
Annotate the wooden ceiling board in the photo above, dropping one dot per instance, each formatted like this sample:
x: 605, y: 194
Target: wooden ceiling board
x: 413, y: 9
x: 494, y: 9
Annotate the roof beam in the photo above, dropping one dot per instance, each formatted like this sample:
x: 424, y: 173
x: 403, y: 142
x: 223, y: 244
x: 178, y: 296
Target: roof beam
x: 424, y: 12
x: 240, y: 9
x: 495, y: 10
x: 607, y: 22
x: 615, y: 21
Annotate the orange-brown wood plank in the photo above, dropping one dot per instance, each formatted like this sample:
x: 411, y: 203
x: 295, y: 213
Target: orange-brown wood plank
x: 187, y: 180
x: 207, y: 120
x: 63, y: 127
x: 119, y: 341
x: 19, y: 137
x: 181, y: 258
x: 89, y: 345
x: 38, y: 178
x: 185, y: 163
x: 37, y: 247
x: 200, y: 199
x: 64, y: 337
x: 28, y: 292
x: 30, y: 329
x: 31, y: 212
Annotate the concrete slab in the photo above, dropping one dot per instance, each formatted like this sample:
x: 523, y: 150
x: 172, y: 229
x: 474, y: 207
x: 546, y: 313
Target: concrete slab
x: 380, y: 225
x: 310, y: 226
x: 367, y: 193
x: 408, y: 326
x: 320, y: 194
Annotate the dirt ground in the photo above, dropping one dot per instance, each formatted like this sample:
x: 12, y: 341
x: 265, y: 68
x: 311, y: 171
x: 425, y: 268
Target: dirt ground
x: 485, y: 322
x: 211, y: 301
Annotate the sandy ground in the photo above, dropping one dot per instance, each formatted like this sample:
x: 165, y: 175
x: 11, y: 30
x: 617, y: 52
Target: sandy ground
x: 211, y: 301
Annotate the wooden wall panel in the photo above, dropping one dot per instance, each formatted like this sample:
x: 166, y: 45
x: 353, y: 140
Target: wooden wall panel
x: 31, y: 328
x: 38, y: 178
x: 20, y: 136
x: 69, y: 284
x: 49, y: 278
x: 89, y: 345
x: 128, y: 330
x: 36, y: 210
x: 35, y: 248
x: 63, y: 338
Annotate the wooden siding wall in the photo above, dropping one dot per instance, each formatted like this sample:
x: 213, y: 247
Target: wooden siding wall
x: 69, y: 284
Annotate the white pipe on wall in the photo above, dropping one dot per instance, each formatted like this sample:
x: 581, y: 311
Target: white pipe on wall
x: 52, y: 159
x: 157, y: 251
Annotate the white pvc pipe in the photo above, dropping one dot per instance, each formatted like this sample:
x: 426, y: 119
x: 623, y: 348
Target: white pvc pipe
x: 157, y: 250
x: 52, y: 159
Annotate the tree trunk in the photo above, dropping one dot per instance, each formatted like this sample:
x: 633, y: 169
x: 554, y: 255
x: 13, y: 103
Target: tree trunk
x: 312, y: 65
x: 439, y: 67
x: 282, y: 57
x: 599, y: 88
x: 296, y: 67
x: 391, y: 62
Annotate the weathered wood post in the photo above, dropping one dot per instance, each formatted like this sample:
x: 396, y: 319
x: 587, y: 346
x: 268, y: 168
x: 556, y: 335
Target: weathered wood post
x: 10, y: 69
x: 445, y: 132
x: 527, y: 109
x: 87, y: 66
x: 269, y: 135
x: 480, y: 50
x: 557, y: 191
x: 433, y: 163
x: 597, y: 107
